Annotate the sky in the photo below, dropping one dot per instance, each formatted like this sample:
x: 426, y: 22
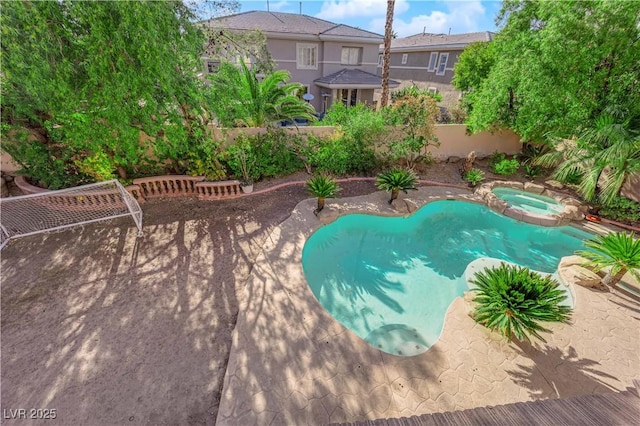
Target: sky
x: 410, y: 17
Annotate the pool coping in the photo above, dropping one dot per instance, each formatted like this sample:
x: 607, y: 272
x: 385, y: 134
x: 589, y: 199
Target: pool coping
x: 292, y: 363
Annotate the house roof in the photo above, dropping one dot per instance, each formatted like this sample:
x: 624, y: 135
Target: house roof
x: 291, y: 23
x: 351, y: 78
x: 427, y: 41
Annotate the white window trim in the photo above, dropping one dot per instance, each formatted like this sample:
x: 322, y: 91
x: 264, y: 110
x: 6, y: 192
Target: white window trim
x: 306, y: 46
x: 405, y: 56
x: 434, y: 56
x: 446, y: 59
x: 380, y: 57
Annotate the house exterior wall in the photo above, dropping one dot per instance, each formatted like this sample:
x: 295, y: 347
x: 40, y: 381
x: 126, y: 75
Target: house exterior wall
x: 416, y: 72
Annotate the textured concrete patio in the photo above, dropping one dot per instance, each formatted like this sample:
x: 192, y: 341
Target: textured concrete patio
x: 292, y: 363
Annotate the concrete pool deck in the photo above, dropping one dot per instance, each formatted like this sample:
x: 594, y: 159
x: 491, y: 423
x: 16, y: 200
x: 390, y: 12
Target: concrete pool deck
x: 293, y: 363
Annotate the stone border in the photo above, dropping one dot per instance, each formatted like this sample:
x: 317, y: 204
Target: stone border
x: 573, y: 208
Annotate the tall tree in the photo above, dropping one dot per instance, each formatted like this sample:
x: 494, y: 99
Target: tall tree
x: 85, y: 78
x: 386, y: 53
x: 239, y: 98
x: 557, y: 66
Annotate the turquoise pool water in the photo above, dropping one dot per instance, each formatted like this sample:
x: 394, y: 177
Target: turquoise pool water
x: 533, y: 203
x: 390, y: 280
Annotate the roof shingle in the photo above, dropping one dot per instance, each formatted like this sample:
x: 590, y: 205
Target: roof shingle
x: 278, y: 22
x: 433, y: 40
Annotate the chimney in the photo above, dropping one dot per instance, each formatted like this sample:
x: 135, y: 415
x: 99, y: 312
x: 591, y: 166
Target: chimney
x: 449, y: 30
x: 424, y: 29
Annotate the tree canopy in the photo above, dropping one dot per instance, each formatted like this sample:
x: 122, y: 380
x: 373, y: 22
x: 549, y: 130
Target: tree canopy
x: 554, y: 67
x: 86, y: 77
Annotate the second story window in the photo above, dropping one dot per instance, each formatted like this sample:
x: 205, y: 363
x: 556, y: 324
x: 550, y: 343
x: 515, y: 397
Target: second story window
x: 433, y: 59
x: 351, y: 56
x: 405, y: 56
x: 307, y: 56
x: 442, y: 63
x: 379, y: 60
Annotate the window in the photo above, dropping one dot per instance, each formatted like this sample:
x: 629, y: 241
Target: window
x: 379, y: 60
x: 442, y: 64
x: 307, y: 56
x: 351, y: 55
x: 405, y: 56
x: 433, y: 59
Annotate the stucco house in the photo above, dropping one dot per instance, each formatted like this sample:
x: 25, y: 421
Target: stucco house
x: 427, y: 60
x: 335, y: 62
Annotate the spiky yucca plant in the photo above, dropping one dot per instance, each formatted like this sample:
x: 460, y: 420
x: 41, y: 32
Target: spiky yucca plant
x: 515, y: 300
x: 396, y: 180
x: 323, y: 187
x: 618, y: 251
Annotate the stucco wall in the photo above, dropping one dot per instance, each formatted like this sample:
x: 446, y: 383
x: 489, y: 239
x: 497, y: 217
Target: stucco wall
x: 631, y: 187
x: 455, y: 142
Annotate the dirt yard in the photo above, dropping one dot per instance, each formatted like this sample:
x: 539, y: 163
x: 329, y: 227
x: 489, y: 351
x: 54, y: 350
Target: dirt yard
x: 107, y: 329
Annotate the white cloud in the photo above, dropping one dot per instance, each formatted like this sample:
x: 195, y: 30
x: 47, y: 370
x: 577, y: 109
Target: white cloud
x: 460, y: 16
x: 278, y: 6
x: 341, y: 9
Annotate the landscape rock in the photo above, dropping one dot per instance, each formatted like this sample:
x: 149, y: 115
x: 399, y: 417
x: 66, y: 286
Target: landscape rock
x: 453, y: 159
x: 510, y: 184
x: 411, y: 206
x: 579, y: 275
x: 496, y: 204
x: 573, y: 213
x: 534, y: 188
x: 554, y: 184
x: 571, y: 260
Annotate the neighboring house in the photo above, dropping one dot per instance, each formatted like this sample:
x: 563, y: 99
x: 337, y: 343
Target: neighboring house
x: 335, y: 62
x: 427, y: 60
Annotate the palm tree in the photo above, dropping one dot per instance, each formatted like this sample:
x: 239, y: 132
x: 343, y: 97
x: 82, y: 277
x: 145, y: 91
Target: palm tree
x: 602, y: 157
x: 397, y: 180
x: 515, y: 300
x: 618, y: 251
x: 323, y: 187
x: 239, y: 98
x: 386, y: 53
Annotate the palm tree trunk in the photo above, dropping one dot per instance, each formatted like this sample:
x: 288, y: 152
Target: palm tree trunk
x: 611, y: 280
x: 394, y: 195
x: 320, y: 205
x: 386, y: 53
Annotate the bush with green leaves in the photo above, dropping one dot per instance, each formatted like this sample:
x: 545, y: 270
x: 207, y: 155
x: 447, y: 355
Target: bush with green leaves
x: 506, y: 167
x: 622, y: 209
x: 474, y: 176
x: 414, y: 91
x: 241, y: 160
x: 322, y: 187
x: 396, y: 180
x: 618, y: 252
x: 515, y: 301
x: 274, y: 154
x: 205, y: 160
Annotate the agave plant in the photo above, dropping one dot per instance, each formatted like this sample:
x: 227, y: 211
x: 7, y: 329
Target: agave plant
x: 474, y: 176
x: 618, y: 251
x: 323, y: 187
x: 397, y: 180
x: 515, y: 300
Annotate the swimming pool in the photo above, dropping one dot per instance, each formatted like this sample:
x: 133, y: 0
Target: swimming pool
x: 532, y: 203
x: 390, y: 280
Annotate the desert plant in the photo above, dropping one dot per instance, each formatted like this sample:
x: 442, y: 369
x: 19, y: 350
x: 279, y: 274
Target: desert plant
x: 619, y: 251
x: 474, y: 176
x: 621, y: 208
x: 323, y: 187
x: 242, y: 160
x: 506, y: 167
x: 396, y: 180
x: 515, y: 300
x: 531, y: 171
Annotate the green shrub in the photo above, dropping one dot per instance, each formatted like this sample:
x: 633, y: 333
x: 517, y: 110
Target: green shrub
x: 506, y: 167
x: 415, y: 92
x: 339, y: 155
x: 496, y: 157
x: 396, y: 180
x: 322, y: 186
x: 515, y: 301
x: 618, y: 252
x: 274, y: 154
x: 474, y: 176
x: 205, y: 160
x: 621, y: 208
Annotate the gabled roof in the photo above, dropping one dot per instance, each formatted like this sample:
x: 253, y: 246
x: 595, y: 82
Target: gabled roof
x: 432, y: 41
x: 350, y: 78
x: 290, y: 23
